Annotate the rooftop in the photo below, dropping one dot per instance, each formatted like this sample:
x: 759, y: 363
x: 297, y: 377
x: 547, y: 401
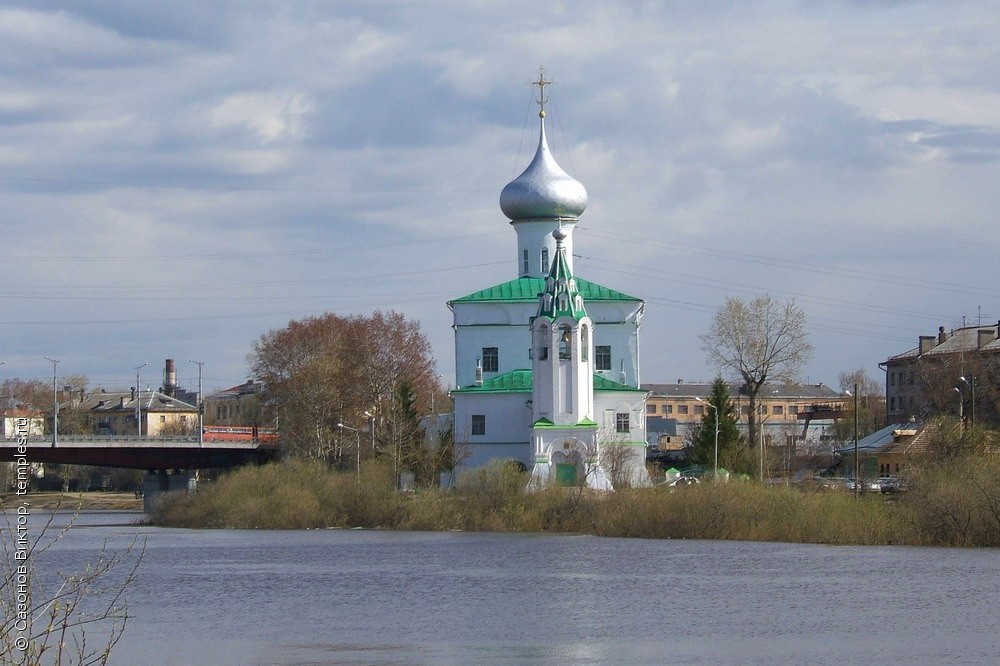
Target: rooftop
x: 527, y: 289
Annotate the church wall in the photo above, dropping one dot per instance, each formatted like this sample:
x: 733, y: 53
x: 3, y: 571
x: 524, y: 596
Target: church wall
x: 508, y: 424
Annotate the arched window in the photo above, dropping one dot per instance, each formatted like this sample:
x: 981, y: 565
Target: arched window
x: 565, y: 342
x: 584, y: 342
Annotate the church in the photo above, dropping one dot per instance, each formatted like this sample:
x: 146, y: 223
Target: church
x: 547, y: 364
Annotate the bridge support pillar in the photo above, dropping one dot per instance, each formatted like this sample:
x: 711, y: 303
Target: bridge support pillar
x: 159, y: 481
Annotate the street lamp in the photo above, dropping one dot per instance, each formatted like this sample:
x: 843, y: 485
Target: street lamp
x: 972, y: 398
x: 138, y: 400
x: 55, y: 404
x: 716, y: 410
x: 857, y: 466
x: 357, y: 434
x: 371, y: 417
x: 201, y: 406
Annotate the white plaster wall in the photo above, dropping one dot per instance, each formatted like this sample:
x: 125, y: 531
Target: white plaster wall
x: 508, y: 419
x: 479, y: 325
x: 533, y: 235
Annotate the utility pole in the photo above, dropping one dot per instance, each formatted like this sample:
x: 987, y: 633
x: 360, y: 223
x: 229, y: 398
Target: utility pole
x: 55, y: 405
x: 201, y: 407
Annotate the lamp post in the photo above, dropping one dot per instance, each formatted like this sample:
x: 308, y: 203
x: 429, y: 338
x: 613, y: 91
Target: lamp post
x: 857, y: 464
x: 201, y: 406
x: 138, y: 400
x: 357, y: 434
x: 972, y: 398
x: 55, y: 404
x: 716, y: 410
x: 371, y: 417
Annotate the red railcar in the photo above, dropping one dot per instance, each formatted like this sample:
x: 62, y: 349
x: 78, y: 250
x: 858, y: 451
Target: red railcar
x: 240, y: 434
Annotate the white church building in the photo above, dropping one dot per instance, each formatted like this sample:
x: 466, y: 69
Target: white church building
x: 547, y: 364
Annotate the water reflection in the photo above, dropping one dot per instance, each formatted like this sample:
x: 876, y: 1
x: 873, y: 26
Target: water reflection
x: 347, y: 597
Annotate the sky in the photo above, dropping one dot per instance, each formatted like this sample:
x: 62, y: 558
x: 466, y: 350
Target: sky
x: 177, y: 179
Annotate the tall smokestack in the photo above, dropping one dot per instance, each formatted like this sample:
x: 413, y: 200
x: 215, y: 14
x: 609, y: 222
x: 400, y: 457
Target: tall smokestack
x: 170, y: 378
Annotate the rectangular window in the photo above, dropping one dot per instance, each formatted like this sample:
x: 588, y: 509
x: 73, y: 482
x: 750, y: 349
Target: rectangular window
x: 622, y: 422
x: 778, y: 409
x: 699, y: 409
x: 668, y: 409
x: 478, y: 424
x: 163, y: 418
x: 909, y: 377
x: 602, y: 357
x: 682, y: 409
x: 650, y: 409
x: 491, y: 359
x: 545, y: 260
x: 524, y: 263
x: 793, y: 409
x: 892, y: 379
x: 892, y: 404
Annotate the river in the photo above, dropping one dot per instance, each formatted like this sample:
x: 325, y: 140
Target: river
x: 228, y: 597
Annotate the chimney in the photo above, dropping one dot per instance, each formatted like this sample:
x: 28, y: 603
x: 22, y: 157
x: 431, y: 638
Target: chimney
x: 121, y: 404
x: 984, y: 337
x: 941, y: 335
x: 926, y: 343
x: 133, y: 394
x: 170, y: 378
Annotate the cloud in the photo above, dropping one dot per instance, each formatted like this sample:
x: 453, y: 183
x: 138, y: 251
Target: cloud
x: 177, y: 179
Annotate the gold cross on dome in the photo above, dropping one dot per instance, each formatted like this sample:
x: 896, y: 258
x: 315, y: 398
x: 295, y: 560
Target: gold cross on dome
x: 541, y: 83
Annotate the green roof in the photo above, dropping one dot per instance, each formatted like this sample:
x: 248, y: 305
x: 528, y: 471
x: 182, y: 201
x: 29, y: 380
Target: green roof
x: 519, y: 381
x: 527, y: 289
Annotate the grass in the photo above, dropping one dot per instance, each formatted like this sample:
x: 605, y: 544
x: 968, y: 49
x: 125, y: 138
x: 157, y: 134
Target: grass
x: 958, y: 504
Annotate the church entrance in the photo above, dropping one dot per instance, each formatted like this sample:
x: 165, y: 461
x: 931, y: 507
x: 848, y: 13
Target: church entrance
x: 568, y: 467
x: 565, y: 474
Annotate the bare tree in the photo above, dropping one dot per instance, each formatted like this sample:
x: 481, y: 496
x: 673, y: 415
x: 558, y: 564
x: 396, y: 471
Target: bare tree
x: 759, y: 341
x: 46, y: 619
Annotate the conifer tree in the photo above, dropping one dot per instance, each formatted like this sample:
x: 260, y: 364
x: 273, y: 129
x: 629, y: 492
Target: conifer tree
x: 731, y: 455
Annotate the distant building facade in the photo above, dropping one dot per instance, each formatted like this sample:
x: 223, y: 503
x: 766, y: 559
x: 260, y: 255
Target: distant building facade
x: 954, y: 373
x: 148, y: 413
x: 799, y: 415
x: 239, y: 405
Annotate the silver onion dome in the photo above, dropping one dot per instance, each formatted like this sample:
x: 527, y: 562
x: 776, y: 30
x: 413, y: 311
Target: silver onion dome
x: 544, y: 190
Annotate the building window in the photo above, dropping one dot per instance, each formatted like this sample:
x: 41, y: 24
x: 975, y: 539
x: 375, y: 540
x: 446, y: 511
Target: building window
x: 622, y: 422
x: 668, y: 409
x: 650, y: 409
x: 602, y: 357
x: 682, y: 409
x: 163, y: 418
x: 545, y: 260
x: 491, y: 359
x: 478, y: 424
x: 524, y: 262
x: 892, y: 379
x: 793, y: 409
x: 699, y: 409
x: 892, y: 404
x: 778, y: 409
x: 909, y: 377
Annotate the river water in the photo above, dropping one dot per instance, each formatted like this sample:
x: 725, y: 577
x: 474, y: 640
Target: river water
x: 218, y: 597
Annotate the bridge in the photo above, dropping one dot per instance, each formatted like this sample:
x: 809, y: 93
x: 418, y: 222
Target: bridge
x: 170, y: 462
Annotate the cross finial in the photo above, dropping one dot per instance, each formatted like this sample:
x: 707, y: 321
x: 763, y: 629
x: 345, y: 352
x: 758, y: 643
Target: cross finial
x: 541, y: 99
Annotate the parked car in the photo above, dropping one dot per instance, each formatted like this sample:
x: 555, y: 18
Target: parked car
x: 885, y: 484
x: 835, y: 483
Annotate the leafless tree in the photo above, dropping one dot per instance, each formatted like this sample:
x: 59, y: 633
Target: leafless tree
x: 758, y: 341
x: 47, y: 619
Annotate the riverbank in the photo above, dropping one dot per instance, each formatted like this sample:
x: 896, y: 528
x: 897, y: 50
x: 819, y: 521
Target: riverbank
x: 953, y: 506
x: 89, y: 501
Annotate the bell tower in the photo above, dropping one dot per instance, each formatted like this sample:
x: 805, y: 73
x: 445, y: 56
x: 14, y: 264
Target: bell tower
x: 564, y: 431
